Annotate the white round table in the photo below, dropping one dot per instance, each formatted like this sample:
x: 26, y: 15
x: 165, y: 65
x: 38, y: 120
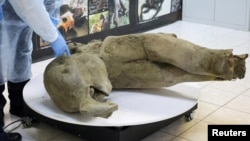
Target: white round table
x: 135, y: 106
x: 140, y: 113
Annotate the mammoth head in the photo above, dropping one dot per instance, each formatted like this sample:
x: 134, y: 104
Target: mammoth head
x: 79, y: 84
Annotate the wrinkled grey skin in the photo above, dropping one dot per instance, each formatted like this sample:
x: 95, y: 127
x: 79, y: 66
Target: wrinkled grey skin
x: 83, y: 82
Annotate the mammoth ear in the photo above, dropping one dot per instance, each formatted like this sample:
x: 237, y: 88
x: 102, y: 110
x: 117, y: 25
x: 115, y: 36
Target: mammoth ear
x: 243, y: 56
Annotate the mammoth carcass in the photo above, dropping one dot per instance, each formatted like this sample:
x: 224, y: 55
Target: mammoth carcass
x: 82, y: 82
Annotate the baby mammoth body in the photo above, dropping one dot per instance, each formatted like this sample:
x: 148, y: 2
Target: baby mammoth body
x: 83, y: 81
x: 79, y: 84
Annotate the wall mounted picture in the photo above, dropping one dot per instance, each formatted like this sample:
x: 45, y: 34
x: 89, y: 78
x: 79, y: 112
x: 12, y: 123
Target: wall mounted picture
x: 118, y: 13
x: 73, y: 18
x: 98, y: 16
x: 149, y: 10
x: 107, y: 14
x: 176, y: 5
x: 98, y: 22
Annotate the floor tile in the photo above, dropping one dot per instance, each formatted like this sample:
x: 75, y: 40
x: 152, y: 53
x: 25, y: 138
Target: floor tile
x: 212, y: 33
x: 9, y: 119
x: 235, y: 86
x: 232, y: 40
x: 204, y: 109
x: 197, y: 133
x: 242, y: 49
x: 40, y: 132
x: 179, y: 126
x: 179, y: 139
x: 241, y: 103
x: 228, y: 116
x: 182, y: 28
x: 66, y: 137
x: 241, y: 35
x: 195, y: 40
x: 204, y: 83
x: 216, y: 96
x: 159, y: 136
x: 247, y: 93
x: 226, y: 42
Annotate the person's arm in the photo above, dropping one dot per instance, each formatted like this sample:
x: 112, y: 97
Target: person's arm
x: 34, y: 13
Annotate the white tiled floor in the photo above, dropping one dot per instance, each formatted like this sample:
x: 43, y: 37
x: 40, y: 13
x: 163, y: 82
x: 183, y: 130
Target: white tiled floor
x: 219, y: 103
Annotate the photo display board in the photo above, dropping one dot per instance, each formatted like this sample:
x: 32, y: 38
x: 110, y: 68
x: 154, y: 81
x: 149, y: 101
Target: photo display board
x: 85, y: 20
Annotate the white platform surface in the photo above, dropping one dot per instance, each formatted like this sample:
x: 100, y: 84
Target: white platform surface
x: 135, y: 107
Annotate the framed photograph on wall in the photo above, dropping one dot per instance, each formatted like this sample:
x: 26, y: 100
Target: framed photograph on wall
x: 156, y: 13
x: 108, y: 14
x: 149, y: 10
x: 73, y: 19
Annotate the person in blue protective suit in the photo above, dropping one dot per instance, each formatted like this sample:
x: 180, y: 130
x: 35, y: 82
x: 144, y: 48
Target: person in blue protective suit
x: 18, y: 20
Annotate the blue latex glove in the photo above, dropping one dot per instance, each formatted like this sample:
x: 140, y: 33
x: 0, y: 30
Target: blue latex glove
x: 59, y: 46
x: 1, y: 12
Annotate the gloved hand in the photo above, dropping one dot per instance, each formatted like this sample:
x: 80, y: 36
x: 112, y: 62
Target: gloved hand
x: 59, y: 46
x: 1, y: 12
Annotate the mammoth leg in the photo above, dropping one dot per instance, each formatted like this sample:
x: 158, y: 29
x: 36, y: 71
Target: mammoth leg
x: 143, y: 74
